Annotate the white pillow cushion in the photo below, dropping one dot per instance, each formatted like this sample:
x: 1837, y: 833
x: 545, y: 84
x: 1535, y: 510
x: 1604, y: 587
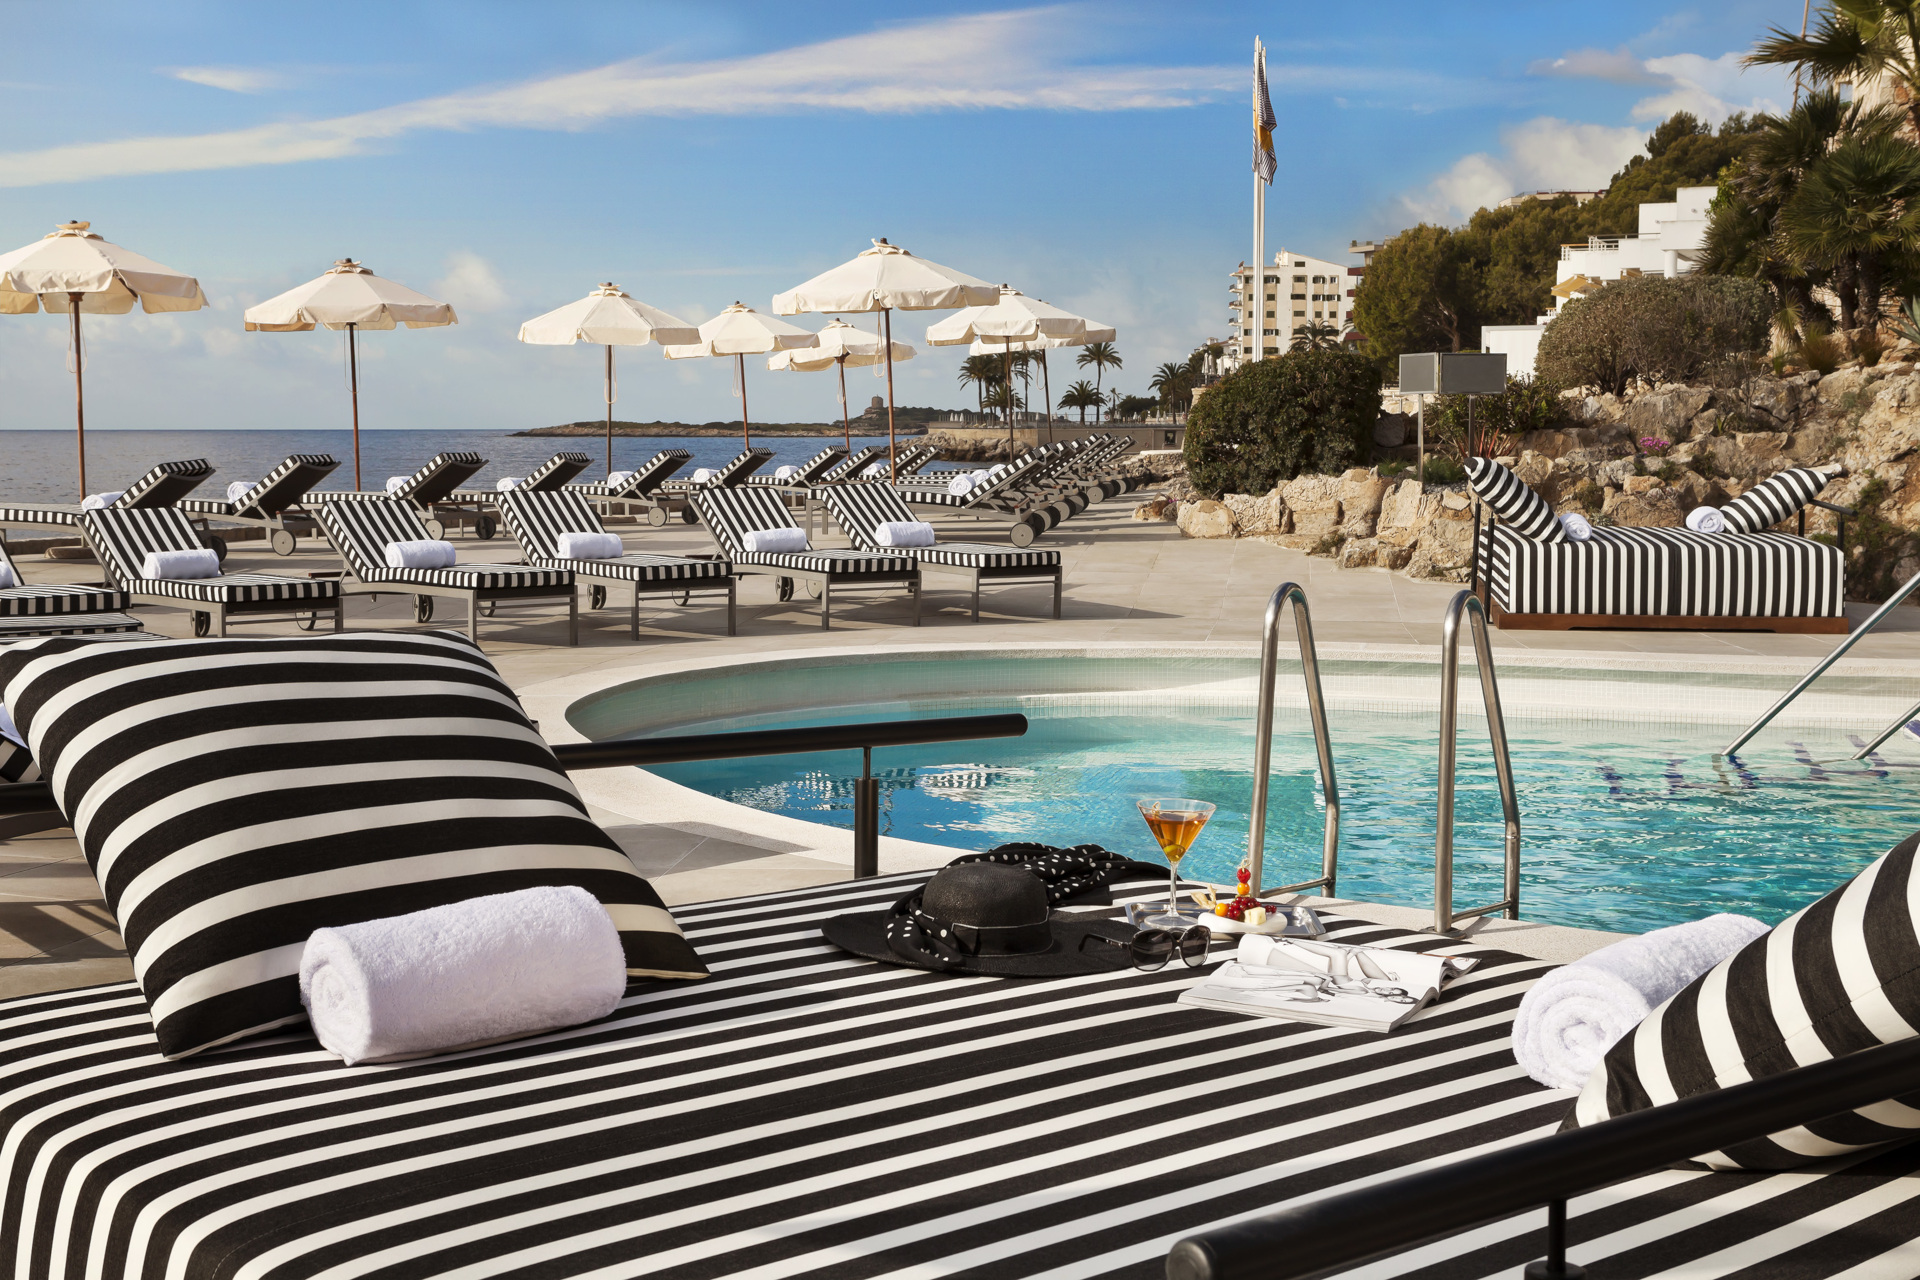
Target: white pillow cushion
x: 590, y: 546
x: 420, y: 553
x: 776, y: 540
x: 200, y: 562
x: 904, y: 533
x: 100, y: 501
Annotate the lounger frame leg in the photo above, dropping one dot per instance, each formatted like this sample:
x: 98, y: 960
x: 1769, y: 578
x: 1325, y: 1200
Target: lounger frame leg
x: 976, y: 596
x: 573, y: 616
x: 340, y: 613
x: 633, y: 628
x: 220, y: 621
x: 732, y: 587
x: 1058, y: 583
x: 473, y: 617
x: 919, y: 594
x: 826, y: 601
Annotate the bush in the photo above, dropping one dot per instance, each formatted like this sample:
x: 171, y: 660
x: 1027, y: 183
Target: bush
x: 1528, y: 404
x: 1654, y: 329
x: 1269, y: 421
x: 1819, y: 351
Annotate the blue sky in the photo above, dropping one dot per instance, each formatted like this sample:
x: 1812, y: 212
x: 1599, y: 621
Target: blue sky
x: 508, y: 157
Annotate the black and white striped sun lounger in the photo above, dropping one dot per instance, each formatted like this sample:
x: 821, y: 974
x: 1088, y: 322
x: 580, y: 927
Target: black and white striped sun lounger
x: 423, y: 491
x: 555, y: 473
x: 849, y: 468
x: 361, y: 528
x: 808, y: 1114
x: 642, y: 488
x: 122, y: 539
x: 1002, y: 498
x: 163, y: 486
x: 860, y: 509
x: 536, y: 521
x: 40, y: 609
x: 733, y: 473
x: 273, y: 504
x: 808, y: 473
x: 730, y: 514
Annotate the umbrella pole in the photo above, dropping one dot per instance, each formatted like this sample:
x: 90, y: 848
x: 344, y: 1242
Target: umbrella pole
x: 353, y: 379
x: 79, y: 394
x: 886, y: 343
x: 846, y: 424
x: 609, y: 412
x: 1046, y: 389
x: 1006, y: 352
x: 746, y: 431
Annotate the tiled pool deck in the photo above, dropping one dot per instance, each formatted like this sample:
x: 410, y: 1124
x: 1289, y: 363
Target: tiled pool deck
x: 1127, y: 583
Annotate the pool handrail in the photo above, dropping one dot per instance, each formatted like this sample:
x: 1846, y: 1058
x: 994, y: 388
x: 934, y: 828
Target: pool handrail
x: 1263, y: 744
x: 1820, y: 668
x: 1468, y: 605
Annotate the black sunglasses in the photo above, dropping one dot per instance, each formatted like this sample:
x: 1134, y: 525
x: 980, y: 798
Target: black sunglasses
x: 1151, y: 949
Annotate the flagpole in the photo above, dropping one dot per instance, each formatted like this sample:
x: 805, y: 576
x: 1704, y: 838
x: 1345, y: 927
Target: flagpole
x: 1258, y: 300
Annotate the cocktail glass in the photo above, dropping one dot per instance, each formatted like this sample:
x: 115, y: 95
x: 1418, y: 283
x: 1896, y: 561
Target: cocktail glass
x: 1175, y: 824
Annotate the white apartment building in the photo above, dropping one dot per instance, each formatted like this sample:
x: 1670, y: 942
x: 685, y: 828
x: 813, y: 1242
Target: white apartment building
x: 1298, y: 290
x: 1671, y: 236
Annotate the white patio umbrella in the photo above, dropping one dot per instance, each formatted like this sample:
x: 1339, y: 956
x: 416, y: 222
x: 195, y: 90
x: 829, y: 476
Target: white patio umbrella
x: 611, y: 318
x: 1095, y: 332
x: 740, y: 331
x: 886, y: 278
x: 348, y: 296
x: 72, y: 269
x: 1013, y: 318
x: 840, y: 345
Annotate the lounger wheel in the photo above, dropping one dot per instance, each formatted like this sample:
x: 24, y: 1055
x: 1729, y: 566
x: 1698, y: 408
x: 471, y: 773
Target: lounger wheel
x: 813, y: 591
x: 1095, y: 493
x: 485, y: 527
x: 686, y: 598
x: 202, y: 623
x: 436, y: 529
x: 308, y: 621
x: 689, y: 516
x: 1061, y: 510
x: 487, y: 607
x: 282, y: 541
x: 1022, y: 533
x: 596, y: 597
x: 657, y: 517
x: 423, y: 608
x: 785, y: 586
x: 216, y: 544
x: 1047, y: 517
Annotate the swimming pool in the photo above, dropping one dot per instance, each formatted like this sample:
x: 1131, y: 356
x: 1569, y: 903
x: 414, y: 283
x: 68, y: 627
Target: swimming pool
x: 1629, y: 820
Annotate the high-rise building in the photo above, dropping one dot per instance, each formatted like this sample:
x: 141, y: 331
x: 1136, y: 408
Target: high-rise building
x: 1297, y: 291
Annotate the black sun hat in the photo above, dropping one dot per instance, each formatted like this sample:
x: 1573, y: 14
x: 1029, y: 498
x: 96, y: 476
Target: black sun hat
x: 992, y: 914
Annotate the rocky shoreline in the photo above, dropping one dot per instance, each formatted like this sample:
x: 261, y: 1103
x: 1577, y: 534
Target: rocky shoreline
x: 599, y: 429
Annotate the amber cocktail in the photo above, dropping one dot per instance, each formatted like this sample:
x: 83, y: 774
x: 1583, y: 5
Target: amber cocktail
x: 1175, y: 824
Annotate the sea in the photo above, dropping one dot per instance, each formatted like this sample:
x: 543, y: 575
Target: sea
x: 41, y: 466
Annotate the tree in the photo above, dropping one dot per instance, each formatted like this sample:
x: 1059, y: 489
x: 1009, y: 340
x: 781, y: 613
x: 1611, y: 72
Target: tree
x: 1654, y: 329
x: 1857, y: 215
x: 1171, y: 382
x: 1417, y: 294
x: 983, y: 372
x: 1854, y: 41
x: 1270, y: 420
x: 1083, y: 396
x: 1133, y: 407
x: 1099, y: 356
x: 1316, y: 336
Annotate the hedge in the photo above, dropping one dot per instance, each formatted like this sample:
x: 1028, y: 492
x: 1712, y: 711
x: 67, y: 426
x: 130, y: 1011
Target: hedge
x: 1267, y: 422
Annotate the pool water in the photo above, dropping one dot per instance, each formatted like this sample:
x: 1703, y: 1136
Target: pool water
x: 1624, y: 826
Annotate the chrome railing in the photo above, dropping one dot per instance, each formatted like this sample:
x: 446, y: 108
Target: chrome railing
x: 1263, y: 743
x: 1820, y: 669
x: 1468, y: 605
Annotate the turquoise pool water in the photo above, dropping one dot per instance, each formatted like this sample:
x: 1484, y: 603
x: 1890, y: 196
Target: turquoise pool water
x: 1625, y: 826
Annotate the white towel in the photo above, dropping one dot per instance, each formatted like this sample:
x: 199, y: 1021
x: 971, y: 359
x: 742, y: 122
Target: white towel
x: 1576, y: 526
x: 9, y: 730
x: 875, y: 470
x: 98, y: 501
x: 963, y: 483
x: 201, y: 562
x: 590, y: 546
x: 904, y: 533
x: 1706, y: 520
x: 776, y: 540
x: 506, y: 483
x: 238, y: 490
x: 6, y: 576
x: 1572, y: 1016
x: 703, y: 474
x: 785, y: 473
x: 394, y: 482
x: 421, y: 553
x: 617, y: 478
x: 476, y: 972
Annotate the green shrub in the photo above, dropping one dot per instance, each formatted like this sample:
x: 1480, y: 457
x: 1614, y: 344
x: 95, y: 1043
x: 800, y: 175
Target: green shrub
x: 1444, y: 470
x: 1871, y: 346
x: 1528, y: 404
x: 1819, y: 351
x: 1269, y: 421
x: 1654, y: 329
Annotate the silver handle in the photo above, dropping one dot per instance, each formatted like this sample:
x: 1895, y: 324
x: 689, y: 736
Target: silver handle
x: 1263, y: 744
x: 1468, y: 605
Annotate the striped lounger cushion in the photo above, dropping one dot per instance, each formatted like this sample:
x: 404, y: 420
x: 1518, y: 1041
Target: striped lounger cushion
x: 730, y: 513
x: 1836, y: 977
x: 536, y: 521
x: 123, y: 539
x: 1514, y: 501
x: 860, y: 509
x: 232, y: 796
x: 41, y: 601
x: 812, y: 1115
x: 360, y: 532
x: 1774, y: 499
x: 1665, y: 573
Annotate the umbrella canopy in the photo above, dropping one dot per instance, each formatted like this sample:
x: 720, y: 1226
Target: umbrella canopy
x: 840, y: 345
x: 1094, y: 332
x: 72, y: 269
x: 886, y: 278
x: 609, y: 317
x: 740, y: 331
x: 1015, y: 320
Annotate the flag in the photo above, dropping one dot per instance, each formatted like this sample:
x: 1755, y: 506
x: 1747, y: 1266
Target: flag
x: 1264, y: 163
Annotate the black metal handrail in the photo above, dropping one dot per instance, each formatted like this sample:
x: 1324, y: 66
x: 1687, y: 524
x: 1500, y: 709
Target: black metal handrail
x: 37, y: 797
x: 1342, y: 1231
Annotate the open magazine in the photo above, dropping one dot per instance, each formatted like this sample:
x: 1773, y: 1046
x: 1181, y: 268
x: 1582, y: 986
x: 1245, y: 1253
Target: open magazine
x: 1308, y: 980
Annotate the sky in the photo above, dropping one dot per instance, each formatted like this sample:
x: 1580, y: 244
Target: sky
x: 508, y: 157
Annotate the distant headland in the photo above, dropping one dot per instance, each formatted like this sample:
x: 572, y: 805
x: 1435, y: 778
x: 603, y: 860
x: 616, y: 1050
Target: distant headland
x: 907, y: 420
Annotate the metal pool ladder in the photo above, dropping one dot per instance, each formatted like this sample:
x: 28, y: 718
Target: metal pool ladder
x: 1263, y: 744
x: 1468, y: 605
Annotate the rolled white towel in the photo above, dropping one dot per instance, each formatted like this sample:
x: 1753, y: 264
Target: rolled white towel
x: 421, y: 553
x: 200, y: 562
x: 590, y: 546
x: 904, y: 533
x: 982, y: 473
x: 394, y: 482
x: 1706, y: 520
x: 507, y: 483
x: 1576, y: 526
x: 776, y: 540
x: 99, y: 501
x: 476, y: 972
x: 9, y: 730
x: 962, y: 483
x: 874, y: 471
x: 6, y: 576
x: 617, y: 478
x: 238, y: 490
x: 1572, y: 1016
x: 703, y: 474
x: 785, y: 473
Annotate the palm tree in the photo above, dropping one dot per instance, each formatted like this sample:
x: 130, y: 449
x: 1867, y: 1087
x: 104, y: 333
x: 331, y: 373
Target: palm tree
x: 983, y: 372
x: 1857, y: 214
x: 1101, y: 356
x: 1855, y: 41
x: 1082, y: 395
x: 1171, y: 382
x: 1315, y: 335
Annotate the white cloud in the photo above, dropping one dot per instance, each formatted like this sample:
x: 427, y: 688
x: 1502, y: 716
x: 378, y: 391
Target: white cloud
x: 470, y: 283
x: 1711, y: 88
x: 1543, y: 154
x: 996, y: 61
x: 1616, y: 65
x: 232, y: 79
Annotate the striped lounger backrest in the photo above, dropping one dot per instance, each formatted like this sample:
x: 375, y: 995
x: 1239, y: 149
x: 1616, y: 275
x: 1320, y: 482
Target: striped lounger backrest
x: 282, y: 486
x: 819, y: 464
x: 861, y: 509
x: 653, y: 471
x: 122, y: 539
x: 443, y: 473
x: 1021, y: 470
x: 165, y: 485
x: 360, y: 531
x: 555, y: 471
x: 742, y: 466
x: 852, y: 466
x: 730, y: 513
x: 536, y: 520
